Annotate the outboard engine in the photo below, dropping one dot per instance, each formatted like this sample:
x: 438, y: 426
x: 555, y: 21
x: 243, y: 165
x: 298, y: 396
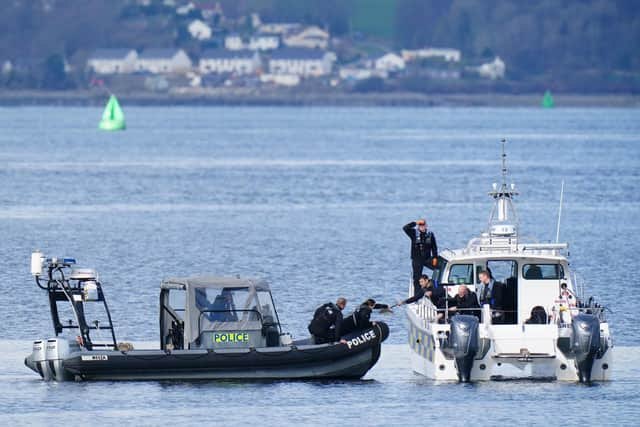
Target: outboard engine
x: 585, y: 343
x: 463, y: 340
x: 37, y: 360
x: 58, y: 349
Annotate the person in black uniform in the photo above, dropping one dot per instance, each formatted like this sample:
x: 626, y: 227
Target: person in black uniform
x: 326, y: 325
x: 436, y: 295
x: 424, y: 249
x: 360, y: 319
x: 463, y: 301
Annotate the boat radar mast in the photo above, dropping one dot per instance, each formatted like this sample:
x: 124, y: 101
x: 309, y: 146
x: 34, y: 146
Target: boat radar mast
x: 503, y: 220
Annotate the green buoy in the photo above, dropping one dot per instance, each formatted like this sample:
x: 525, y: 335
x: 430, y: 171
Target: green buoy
x: 547, y: 100
x: 113, y: 117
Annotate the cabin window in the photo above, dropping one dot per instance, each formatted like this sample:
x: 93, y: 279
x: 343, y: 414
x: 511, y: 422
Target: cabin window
x: 543, y: 272
x: 177, y: 300
x: 461, y: 274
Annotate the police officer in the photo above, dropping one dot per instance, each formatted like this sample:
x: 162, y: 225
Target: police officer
x: 436, y: 295
x: 360, y: 319
x: 492, y: 293
x: 424, y: 249
x: 326, y: 326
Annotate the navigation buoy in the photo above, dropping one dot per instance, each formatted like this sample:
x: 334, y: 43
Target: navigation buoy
x: 113, y: 117
x: 547, y: 100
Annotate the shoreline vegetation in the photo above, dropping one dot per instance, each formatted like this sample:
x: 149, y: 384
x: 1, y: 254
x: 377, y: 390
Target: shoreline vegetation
x: 328, y: 99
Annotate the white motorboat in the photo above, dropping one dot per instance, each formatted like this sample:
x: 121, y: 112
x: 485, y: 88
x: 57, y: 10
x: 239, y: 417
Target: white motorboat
x: 545, y: 328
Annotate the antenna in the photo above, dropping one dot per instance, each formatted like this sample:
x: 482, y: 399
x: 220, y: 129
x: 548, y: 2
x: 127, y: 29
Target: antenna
x: 504, y: 163
x: 560, y: 212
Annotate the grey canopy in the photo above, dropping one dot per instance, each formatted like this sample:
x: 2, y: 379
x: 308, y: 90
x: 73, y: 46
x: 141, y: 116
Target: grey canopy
x: 194, y: 320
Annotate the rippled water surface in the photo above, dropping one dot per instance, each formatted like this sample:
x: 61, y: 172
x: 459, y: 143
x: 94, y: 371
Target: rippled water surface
x: 314, y: 200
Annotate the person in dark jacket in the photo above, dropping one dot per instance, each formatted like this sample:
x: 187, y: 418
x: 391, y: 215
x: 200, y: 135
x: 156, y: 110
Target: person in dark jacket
x: 427, y: 288
x: 360, y: 319
x: 492, y: 293
x: 464, y: 302
x: 424, y: 249
x: 326, y: 325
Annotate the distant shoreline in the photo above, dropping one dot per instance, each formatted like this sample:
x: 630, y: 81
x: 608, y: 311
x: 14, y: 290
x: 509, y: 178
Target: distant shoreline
x: 390, y: 99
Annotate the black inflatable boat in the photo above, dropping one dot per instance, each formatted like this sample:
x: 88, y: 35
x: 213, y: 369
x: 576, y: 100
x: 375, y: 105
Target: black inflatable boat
x: 210, y: 328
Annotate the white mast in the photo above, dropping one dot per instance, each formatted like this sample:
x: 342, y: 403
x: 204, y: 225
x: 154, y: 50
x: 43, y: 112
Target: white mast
x: 503, y: 220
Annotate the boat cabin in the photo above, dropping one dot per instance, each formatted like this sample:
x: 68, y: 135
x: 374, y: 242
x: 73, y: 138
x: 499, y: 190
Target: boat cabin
x: 217, y: 313
x: 529, y: 280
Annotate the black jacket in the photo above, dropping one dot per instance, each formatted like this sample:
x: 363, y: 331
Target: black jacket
x: 468, y: 301
x: 437, y: 296
x: 423, y: 245
x: 360, y: 319
x: 327, y: 322
x: 495, y: 298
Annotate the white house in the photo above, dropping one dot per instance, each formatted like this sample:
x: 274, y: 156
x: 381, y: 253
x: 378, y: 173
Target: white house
x: 264, y: 41
x: 356, y: 73
x: 311, y: 38
x: 492, y: 70
x: 301, y: 62
x: 234, y: 41
x: 165, y: 61
x: 112, y: 61
x: 199, y: 30
x: 449, y: 55
x: 229, y: 61
x: 280, y: 79
x: 389, y: 62
x: 278, y: 27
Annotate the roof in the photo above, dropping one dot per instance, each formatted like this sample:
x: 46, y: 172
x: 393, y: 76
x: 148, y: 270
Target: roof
x: 227, y: 54
x: 298, y: 53
x: 118, y: 53
x: 158, y: 53
x: 218, y: 282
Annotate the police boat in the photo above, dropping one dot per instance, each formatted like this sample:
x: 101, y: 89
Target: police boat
x: 543, y: 328
x: 210, y: 328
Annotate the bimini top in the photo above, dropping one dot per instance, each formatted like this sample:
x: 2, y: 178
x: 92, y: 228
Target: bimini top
x: 220, y: 303
x: 216, y: 282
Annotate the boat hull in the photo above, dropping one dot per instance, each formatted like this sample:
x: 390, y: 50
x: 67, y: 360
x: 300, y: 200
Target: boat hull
x: 429, y: 359
x: 348, y: 361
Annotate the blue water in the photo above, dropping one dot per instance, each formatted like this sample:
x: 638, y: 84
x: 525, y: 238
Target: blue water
x: 312, y: 199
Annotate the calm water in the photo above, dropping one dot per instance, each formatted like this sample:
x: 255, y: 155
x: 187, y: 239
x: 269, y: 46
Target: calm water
x: 314, y: 200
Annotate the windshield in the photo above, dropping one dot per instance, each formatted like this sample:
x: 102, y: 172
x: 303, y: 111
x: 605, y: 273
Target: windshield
x: 227, y: 304
x: 542, y: 271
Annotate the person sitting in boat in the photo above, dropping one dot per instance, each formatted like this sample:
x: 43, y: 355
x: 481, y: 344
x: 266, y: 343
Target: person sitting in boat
x: 538, y: 316
x: 326, y: 325
x: 424, y: 249
x: 361, y: 318
x: 464, y: 302
x: 492, y: 293
x: 223, y: 309
x: 427, y: 288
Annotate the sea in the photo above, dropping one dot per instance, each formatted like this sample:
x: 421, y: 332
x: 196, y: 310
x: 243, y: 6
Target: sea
x: 312, y: 199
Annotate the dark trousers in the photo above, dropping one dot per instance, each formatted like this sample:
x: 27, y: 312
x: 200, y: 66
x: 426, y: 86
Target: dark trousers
x: 417, y: 264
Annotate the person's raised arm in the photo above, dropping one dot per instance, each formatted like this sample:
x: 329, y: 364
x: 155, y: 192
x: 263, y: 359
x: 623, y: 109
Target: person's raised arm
x: 409, y: 229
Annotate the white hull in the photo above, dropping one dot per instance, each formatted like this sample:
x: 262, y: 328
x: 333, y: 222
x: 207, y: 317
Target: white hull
x: 501, y: 361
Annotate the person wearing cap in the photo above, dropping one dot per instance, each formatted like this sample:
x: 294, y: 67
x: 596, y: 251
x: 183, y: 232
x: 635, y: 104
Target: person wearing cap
x: 424, y: 249
x: 360, y: 319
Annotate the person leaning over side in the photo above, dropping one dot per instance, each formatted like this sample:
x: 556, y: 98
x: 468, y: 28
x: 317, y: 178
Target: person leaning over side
x: 424, y: 249
x: 360, y: 319
x: 436, y: 295
x: 326, y: 325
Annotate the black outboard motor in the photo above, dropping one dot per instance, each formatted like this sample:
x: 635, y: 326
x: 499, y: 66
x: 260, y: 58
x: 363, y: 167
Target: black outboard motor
x: 585, y: 343
x: 463, y: 340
